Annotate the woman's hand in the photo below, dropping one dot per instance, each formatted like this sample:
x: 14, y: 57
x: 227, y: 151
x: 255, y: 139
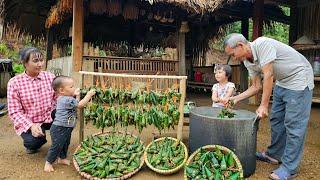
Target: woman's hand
x: 36, y: 130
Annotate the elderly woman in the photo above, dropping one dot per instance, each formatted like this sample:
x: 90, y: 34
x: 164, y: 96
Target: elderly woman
x: 31, y: 100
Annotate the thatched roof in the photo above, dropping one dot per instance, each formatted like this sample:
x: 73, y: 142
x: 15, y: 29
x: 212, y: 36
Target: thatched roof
x: 31, y: 15
x: 198, y: 6
x: 62, y: 10
x: 1, y: 8
x: 205, y: 18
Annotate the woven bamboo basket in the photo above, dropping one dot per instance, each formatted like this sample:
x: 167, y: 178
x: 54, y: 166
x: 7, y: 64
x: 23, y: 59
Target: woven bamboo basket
x: 213, y: 147
x: 88, y: 176
x: 171, y: 171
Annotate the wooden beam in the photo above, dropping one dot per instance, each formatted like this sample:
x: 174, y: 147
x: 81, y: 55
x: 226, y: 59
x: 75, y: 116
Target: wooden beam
x: 293, y: 31
x: 306, y: 3
x: 258, y: 13
x: 226, y: 21
x: 1, y: 28
x: 182, y: 53
x: 80, y: 115
x: 257, y: 19
x: 182, y: 89
x: 77, y: 35
x: 49, y: 45
x: 238, y: 13
x: 243, y: 70
x: 245, y: 28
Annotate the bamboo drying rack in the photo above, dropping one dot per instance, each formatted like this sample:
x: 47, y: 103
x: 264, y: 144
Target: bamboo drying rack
x: 121, y: 80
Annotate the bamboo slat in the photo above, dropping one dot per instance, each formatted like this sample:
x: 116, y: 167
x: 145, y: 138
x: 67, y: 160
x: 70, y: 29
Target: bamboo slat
x: 133, y: 65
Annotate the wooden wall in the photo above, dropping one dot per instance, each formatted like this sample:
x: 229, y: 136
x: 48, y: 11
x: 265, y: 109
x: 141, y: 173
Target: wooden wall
x: 235, y: 77
x: 308, y: 19
x: 62, y: 66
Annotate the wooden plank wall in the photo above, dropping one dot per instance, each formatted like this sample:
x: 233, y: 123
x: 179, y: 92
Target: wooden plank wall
x: 62, y: 66
x: 235, y: 77
x: 309, y: 19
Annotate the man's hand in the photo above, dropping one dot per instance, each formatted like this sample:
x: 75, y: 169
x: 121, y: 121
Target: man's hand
x: 262, y: 111
x: 225, y: 101
x: 36, y: 130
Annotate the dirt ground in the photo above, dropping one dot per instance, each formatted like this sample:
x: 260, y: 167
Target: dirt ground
x: 16, y: 164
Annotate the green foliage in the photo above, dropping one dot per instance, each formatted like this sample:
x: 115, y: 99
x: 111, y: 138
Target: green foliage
x: 4, y: 50
x: 276, y: 30
x: 102, y: 53
x: 69, y: 50
x: 17, y: 68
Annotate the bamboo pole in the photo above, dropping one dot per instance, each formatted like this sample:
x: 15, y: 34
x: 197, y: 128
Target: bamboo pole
x: 133, y: 75
x: 258, y: 15
x: 81, y: 118
x: 181, y: 118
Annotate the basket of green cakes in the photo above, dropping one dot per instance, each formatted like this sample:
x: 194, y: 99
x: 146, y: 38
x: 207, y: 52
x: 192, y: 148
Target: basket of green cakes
x: 166, y: 155
x: 111, y: 155
x: 213, y: 162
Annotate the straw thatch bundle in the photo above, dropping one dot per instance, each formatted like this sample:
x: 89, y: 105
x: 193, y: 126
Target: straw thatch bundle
x: 53, y: 18
x: 65, y: 6
x: 130, y: 11
x: 113, y: 8
x: 1, y: 9
x: 98, y: 6
x: 197, y: 6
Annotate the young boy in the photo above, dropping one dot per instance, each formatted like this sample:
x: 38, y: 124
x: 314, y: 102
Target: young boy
x: 65, y: 119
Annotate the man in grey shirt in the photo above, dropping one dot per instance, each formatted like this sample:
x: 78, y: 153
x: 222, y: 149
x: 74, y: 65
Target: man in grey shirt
x: 270, y: 60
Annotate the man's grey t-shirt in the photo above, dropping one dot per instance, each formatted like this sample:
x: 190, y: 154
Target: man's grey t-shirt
x: 66, y: 112
x: 290, y: 68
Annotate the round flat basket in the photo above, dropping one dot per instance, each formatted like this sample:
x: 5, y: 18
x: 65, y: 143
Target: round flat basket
x: 223, y: 149
x: 171, y: 171
x: 125, y: 176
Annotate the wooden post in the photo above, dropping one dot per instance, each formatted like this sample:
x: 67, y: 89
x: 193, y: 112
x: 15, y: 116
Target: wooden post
x: 183, y: 83
x: 80, y: 115
x: 257, y: 19
x: 243, y: 70
x: 293, y: 33
x: 182, y: 53
x: 1, y: 28
x: 77, y: 35
x: 245, y: 28
x: 257, y: 32
x: 49, y: 45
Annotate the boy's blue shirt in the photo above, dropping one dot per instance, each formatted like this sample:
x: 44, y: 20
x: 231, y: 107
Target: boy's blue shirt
x: 66, y: 112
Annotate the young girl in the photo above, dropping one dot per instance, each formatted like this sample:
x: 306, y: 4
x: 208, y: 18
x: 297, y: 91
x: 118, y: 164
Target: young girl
x: 65, y: 119
x: 224, y: 88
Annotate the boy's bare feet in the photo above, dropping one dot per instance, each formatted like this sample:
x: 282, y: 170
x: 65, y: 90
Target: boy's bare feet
x: 48, y: 167
x: 63, y: 161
